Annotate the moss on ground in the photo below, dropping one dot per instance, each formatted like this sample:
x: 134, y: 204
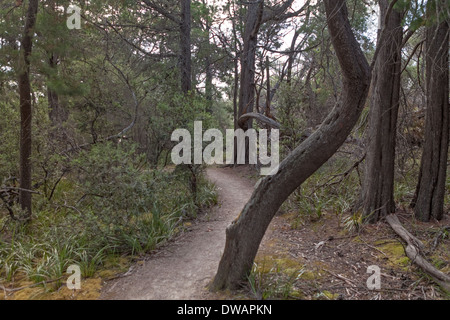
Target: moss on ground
x: 395, y: 253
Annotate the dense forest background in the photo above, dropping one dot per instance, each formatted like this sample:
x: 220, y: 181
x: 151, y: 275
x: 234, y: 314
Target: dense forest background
x: 87, y: 115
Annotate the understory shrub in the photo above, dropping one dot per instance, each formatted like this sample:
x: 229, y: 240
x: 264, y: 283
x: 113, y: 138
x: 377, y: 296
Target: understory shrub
x: 111, y: 203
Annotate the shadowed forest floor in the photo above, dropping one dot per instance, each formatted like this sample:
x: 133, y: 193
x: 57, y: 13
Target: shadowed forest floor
x: 319, y: 260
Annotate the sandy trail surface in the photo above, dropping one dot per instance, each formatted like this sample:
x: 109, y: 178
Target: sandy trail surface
x: 183, y: 269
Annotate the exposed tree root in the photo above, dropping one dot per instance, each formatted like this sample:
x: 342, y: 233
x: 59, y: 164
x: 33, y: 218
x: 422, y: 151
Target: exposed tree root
x: 414, y: 251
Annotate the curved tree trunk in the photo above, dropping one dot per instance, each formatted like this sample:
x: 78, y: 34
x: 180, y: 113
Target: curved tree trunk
x: 244, y: 235
x: 429, y: 202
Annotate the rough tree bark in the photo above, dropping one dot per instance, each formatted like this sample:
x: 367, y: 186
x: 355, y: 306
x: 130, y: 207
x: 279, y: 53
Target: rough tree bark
x: 26, y: 109
x: 429, y: 200
x: 244, y: 235
x: 378, y: 187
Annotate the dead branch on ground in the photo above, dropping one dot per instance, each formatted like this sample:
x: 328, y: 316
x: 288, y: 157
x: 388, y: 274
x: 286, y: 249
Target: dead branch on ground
x: 414, y: 250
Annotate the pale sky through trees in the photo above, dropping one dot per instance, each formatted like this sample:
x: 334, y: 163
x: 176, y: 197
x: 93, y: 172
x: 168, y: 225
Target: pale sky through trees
x: 286, y: 35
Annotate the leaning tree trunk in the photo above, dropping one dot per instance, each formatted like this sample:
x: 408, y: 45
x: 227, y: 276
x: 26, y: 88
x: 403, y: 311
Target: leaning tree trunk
x: 25, y: 109
x: 244, y: 235
x: 429, y: 202
x: 378, y: 187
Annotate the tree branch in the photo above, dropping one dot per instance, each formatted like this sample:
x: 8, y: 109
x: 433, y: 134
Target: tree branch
x: 260, y: 117
x: 276, y: 13
x: 162, y: 11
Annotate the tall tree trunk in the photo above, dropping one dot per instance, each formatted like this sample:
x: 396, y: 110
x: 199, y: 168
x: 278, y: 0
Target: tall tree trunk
x: 185, y: 44
x: 56, y: 113
x: 378, y: 187
x: 26, y: 109
x: 184, y: 23
x: 429, y: 202
x: 244, y: 235
x: 236, y: 74
x: 292, y: 56
x: 209, y: 87
x: 248, y: 57
x: 236, y: 94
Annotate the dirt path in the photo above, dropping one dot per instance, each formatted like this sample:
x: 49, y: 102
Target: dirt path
x: 183, y: 269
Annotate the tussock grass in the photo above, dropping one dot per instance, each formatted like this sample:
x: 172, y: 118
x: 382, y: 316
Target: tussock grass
x: 133, y: 211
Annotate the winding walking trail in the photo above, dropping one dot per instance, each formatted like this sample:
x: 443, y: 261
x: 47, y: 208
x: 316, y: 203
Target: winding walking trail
x: 183, y: 269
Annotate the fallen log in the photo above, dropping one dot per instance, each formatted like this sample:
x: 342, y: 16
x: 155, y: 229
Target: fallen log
x: 414, y: 251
